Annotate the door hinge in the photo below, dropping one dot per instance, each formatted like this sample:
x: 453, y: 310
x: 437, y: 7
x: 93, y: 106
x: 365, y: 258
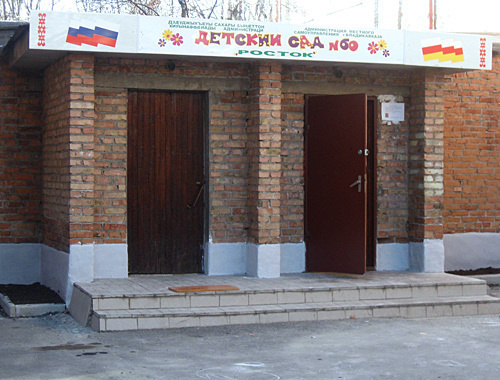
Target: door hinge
x: 202, y: 254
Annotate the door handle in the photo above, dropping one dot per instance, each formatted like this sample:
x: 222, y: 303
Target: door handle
x: 197, y: 196
x: 358, y: 182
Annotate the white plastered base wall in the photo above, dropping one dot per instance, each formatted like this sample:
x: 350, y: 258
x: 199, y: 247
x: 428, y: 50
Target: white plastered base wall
x: 29, y: 263
x: 20, y: 263
x: 262, y: 261
x: 392, y: 257
x: 269, y: 260
x: 426, y: 256
x: 471, y: 251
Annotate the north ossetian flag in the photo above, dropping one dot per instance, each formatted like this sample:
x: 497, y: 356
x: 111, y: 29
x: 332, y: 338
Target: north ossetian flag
x: 85, y: 32
x: 443, y: 51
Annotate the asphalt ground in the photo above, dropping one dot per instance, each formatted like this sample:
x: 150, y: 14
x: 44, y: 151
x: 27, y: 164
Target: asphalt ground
x: 57, y: 347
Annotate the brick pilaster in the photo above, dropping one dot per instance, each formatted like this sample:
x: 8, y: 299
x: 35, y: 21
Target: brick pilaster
x: 426, y: 156
x: 264, y: 151
x: 228, y: 167
x: 110, y: 166
x: 292, y: 166
x: 68, y: 152
x: 81, y: 140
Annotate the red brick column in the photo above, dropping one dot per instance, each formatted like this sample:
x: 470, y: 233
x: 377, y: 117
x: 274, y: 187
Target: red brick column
x: 228, y: 167
x: 81, y: 140
x: 110, y: 167
x: 264, y: 152
x: 264, y: 130
x: 292, y: 165
x: 68, y: 152
x: 425, y: 168
x: 55, y: 189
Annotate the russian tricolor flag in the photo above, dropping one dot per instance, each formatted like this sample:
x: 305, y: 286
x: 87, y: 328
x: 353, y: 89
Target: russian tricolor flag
x: 91, y: 34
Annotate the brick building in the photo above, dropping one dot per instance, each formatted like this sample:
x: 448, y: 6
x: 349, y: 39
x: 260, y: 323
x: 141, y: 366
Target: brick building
x: 140, y: 162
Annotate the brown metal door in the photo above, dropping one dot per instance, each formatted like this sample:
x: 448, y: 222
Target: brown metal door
x: 165, y: 177
x: 335, y: 183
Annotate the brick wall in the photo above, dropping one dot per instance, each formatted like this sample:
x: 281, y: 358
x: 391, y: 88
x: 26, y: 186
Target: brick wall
x: 110, y: 167
x: 230, y: 213
x: 228, y: 167
x: 392, y: 146
x: 426, y: 156
x: 392, y: 179
x: 20, y: 156
x: 68, y: 152
x: 472, y: 154
x: 81, y: 139
x: 56, y: 160
x: 227, y: 141
x: 264, y: 153
x: 230, y: 147
x: 255, y: 142
x: 292, y: 166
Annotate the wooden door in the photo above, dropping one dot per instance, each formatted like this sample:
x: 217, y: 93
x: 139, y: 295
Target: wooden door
x: 336, y: 202
x: 165, y: 177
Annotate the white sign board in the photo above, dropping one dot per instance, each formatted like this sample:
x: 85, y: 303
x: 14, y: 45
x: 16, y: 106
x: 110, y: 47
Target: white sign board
x: 393, y: 112
x: 221, y: 38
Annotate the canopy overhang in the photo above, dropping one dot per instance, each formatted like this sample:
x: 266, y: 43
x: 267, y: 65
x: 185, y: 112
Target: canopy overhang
x: 51, y: 35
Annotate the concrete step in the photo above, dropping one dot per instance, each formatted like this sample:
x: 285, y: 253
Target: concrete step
x: 151, y: 318
x: 168, y: 299
x: 145, y: 302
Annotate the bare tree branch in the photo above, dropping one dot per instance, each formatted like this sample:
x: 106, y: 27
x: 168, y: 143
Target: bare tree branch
x: 145, y: 9
x: 184, y: 8
x: 261, y: 10
x: 212, y: 11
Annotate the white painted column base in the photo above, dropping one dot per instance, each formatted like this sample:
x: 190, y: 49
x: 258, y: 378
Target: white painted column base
x: 225, y: 259
x: 254, y: 260
x: 427, y: 256
x: 91, y: 261
x: 392, y: 257
x: 84, y: 263
x: 263, y: 261
x: 293, y: 257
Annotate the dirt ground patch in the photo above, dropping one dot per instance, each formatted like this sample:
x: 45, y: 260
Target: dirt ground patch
x: 473, y: 272
x: 30, y: 294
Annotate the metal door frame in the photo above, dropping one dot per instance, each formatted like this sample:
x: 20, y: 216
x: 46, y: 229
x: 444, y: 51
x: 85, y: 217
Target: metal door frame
x: 371, y: 201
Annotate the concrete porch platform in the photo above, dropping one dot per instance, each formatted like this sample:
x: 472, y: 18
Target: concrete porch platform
x: 145, y: 302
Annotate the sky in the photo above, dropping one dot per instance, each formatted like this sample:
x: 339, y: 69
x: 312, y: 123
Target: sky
x: 452, y: 15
